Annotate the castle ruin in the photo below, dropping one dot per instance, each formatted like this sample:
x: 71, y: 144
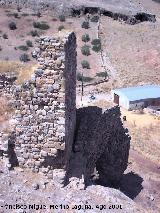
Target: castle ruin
x: 49, y: 133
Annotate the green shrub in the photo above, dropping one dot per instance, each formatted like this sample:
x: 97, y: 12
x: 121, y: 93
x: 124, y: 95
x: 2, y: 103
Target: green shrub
x: 23, y: 48
x: 41, y: 25
x: 83, y: 78
x: 12, y: 26
x: 85, y: 50
x: 95, y: 19
x: 102, y: 74
x: 5, y: 36
x: 85, y: 25
x: 85, y: 64
x: 24, y: 58
x: 34, y: 33
x: 25, y: 14
x: 96, y: 48
x: 62, y: 18
x: 19, y: 9
x: 16, y: 15
x: 61, y: 27
x: 38, y: 14
x: 85, y: 38
x: 96, y: 41
x: 29, y: 43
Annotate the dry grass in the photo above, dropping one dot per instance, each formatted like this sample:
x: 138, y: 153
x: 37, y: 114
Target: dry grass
x: 5, y: 109
x: 22, y: 71
x: 146, y: 140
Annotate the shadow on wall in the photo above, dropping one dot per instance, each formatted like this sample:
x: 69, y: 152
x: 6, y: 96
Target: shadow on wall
x: 131, y: 184
x: 101, y: 142
x: 56, y: 162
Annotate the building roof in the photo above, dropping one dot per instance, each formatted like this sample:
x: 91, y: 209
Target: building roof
x: 139, y: 92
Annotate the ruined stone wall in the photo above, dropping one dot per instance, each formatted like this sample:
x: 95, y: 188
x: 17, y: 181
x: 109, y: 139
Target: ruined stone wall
x: 101, y: 142
x: 45, y: 107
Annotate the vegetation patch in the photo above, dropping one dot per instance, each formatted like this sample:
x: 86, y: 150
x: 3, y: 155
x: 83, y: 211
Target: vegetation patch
x: 85, y: 38
x: 5, y: 36
x: 23, y: 48
x: 62, y: 18
x: 95, y: 19
x: 29, y: 43
x: 24, y: 58
x: 96, y: 45
x: 83, y: 78
x: 12, y: 26
x: 85, y: 50
x: 102, y: 74
x: 61, y: 27
x: 41, y: 25
x: 34, y: 33
x: 85, y: 64
x: 85, y: 25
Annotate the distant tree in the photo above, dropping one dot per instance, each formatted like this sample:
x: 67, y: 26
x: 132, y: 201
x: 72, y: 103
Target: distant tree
x: 102, y: 74
x: 12, y: 26
x: 23, y: 48
x: 83, y: 78
x: 61, y: 27
x: 85, y: 38
x: 96, y: 45
x: 41, y: 25
x: 62, y: 18
x: 96, y: 48
x: 96, y: 41
x: 95, y: 19
x: 85, y: 25
x: 5, y: 36
x: 24, y: 58
x: 34, y: 33
x: 85, y: 64
x: 85, y: 50
x: 29, y: 43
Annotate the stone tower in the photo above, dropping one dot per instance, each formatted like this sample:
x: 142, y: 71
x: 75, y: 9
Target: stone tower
x: 46, y: 107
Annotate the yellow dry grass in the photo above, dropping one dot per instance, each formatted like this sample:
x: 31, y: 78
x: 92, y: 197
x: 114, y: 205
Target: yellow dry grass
x: 145, y: 134
x: 5, y: 109
x: 21, y: 70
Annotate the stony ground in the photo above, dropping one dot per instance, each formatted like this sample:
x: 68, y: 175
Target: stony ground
x: 25, y: 188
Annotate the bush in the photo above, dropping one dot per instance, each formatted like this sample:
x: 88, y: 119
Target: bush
x: 95, y: 19
x: 85, y: 64
x: 29, y: 43
x: 85, y: 25
x: 61, y: 27
x: 85, y: 50
x: 24, y: 57
x: 96, y: 41
x: 41, y: 25
x: 12, y: 26
x: 34, y: 33
x: 102, y: 74
x: 25, y: 14
x: 38, y: 14
x: 5, y: 36
x: 62, y: 18
x: 96, y: 48
x: 96, y: 45
x: 23, y: 48
x: 85, y: 38
x: 83, y: 78
x: 16, y: 15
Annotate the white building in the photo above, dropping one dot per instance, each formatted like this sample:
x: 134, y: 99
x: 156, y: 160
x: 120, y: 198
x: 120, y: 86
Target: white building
x: 137, y: 97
